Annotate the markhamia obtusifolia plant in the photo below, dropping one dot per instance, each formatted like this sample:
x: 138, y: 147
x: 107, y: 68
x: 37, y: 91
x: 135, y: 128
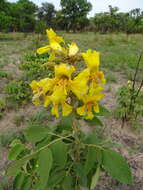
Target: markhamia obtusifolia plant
x: 62, y: 156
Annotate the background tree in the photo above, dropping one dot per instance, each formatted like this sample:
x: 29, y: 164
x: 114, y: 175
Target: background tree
x: 25, y: 16
x: 47, y: 13
x: 60, y: 23
x: 74, y: 12
x: 26, y: 11
x: 114, y: 21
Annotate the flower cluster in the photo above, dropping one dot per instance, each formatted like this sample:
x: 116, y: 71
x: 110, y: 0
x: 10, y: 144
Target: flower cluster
x: 70, y: 89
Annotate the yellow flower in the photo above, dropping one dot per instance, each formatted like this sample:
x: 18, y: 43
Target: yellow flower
x: 54, y: 43
x: 64, y: 71
x: 79, y: 84
x: 52, y: 57
x: 43, y: 49
x: 90, y: 104
x: 59, y: 94
x: 53, y: 37
x: 73, y: 49
x: 59, y: 97
x: 35, y: 87
x: 55, y: 46
x: 61, y: 89
x: 66, y: 109
x: 42, y: 87
x: 47, y: 100
x: 97, y: 80
x: 91, y: 59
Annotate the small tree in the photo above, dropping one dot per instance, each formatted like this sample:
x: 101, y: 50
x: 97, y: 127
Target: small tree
x: 74, y: 12
x: 47, y: 13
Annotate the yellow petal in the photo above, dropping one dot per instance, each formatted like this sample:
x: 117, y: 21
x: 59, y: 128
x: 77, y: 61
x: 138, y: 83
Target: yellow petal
x: 52, y: 56
x: 46, y: 101
x: 73, y: 49
x: 36, y: 102
x: 89, y: 115
x: 79, y: 84
x: 81, y: 110
x: 58, y: 95
x: 66, y: 109
x: 64, y: 70
x: 94, y: 88
x: 96, y: 108
x: 89, y: 98
x: 43, y: 49
x: 101, y: 77
x: 34, y: 85
x: 47, y: 85
x: 36, y: 99
x: 55, y: 46
x: 55, y: 110
x: 53, y: 37
x: 91, y: 59
x: 43, y: 82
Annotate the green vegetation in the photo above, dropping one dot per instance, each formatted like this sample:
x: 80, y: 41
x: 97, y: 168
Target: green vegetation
x: 35, y: 67
x: 25, y: 16
x: 130, y: 98
x: 18, y: 92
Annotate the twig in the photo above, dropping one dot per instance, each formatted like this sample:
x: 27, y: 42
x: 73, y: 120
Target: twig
x: 134, y: 81
x: 137, y: 68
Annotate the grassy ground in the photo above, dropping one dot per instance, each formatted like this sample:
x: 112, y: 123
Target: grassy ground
x: 119, y: 55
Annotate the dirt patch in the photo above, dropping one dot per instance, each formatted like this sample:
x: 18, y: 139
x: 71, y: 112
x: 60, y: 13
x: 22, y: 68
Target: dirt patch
x: 8, y: 121
x: 13, y: 69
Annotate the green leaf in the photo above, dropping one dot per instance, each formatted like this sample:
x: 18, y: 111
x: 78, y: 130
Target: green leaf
x: 67, y: 182
x: 37, y: 186
x: 95, y: 121
x: 90, y: 160
x: 45, y: 161
x: 19, y: 163
x: 92, y: 139
x: 18, y: 181
x: 27, y: 183
x: 103, y: 111
x: 94, y: 155
x: 59, y: 151
x: 15, y: 142
x: 55, y: 178
x: 95, y: 178
x: 66, y: 123
x: 80, y: 173
x: 116, y: 166
x: 35, y: 133
x: 15, y: 151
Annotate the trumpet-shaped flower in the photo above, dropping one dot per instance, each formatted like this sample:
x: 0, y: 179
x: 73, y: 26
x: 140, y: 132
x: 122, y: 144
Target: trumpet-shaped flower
x: 44, y: 49
x: 53, y: 37
x: 91, y: 59
x: 40, y: 88
x: 90, y: 104
x: 79, y: 84
x: 54, y: 43
x: 59, y: 98
x: 73, y: 49
x: 64, y: 71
